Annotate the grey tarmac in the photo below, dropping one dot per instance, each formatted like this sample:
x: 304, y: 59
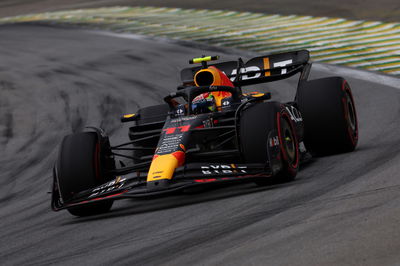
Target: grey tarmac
x: 342, y: 210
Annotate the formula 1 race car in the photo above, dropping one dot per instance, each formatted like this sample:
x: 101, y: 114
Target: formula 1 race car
x: 209, y: 132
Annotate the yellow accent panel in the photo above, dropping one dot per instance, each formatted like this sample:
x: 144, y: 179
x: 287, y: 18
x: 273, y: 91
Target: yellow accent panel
x: 162, y: 167
x: 201, y: 59
x: 129, y: 115
x: 257, y: 95
x: 218, y: 100
x: 254, y: 94
x: 266, y: 66
x: 214, y: 72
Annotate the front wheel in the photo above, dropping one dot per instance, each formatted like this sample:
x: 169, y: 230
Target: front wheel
x: 81, y: 166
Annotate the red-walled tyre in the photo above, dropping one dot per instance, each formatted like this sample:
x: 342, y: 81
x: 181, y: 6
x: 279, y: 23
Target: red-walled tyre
x: 329, y: 116
x: 289, y: 145
x: 80, y: 167
x: 257, y: 122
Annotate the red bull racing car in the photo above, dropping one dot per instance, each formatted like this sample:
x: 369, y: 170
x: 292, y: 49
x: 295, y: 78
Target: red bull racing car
x: 209, y: 131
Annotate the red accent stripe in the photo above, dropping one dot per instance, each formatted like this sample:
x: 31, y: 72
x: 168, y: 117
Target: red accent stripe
x: 100, y: 198
x: 353, y: 137
x: 205, y: 180
x: 170, y: 130
x: 225, y: 81
x: 184, y: 128
x: 180, y: 156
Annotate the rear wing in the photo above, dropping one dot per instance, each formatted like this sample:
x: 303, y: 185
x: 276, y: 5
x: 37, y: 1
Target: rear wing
x: 259, y: 69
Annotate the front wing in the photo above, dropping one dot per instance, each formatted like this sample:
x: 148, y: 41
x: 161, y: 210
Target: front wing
x: 132, y: 185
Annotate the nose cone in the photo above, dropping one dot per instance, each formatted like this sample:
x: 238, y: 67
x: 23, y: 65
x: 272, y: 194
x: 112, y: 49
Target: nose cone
x: 162, y: 169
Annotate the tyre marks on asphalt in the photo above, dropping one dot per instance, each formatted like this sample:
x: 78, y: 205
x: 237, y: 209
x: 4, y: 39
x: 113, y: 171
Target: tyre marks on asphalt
x: 338, y: 211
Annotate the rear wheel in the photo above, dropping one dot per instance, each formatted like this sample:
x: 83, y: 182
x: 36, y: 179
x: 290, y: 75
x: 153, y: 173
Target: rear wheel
x: 80, y: 166
x: 258, y: 124
x: 329, y: 115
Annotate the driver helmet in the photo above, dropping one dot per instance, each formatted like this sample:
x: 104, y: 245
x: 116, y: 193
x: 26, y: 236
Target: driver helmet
x: 204, y: 103
x: 211, y: 76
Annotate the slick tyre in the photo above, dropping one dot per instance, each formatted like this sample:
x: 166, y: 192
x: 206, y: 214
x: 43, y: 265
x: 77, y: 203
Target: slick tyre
x: 79, y: 168
x: 257, y: 123
x: 329, y: 115
x: 289, y: 146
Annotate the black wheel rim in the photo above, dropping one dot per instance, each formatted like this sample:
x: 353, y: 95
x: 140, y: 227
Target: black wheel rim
x: 288, y: 142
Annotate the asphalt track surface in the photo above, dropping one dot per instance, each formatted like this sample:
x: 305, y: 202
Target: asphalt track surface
x: 341, y: 210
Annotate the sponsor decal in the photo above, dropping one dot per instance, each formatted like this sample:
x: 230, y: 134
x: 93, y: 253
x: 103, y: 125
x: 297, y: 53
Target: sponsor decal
x: 226, y: 103
x: 282, y: 64
x: 170, y: 144
x: 180, y: 111
x: 273, y: 142
x: 115, y: 184
x: 302, y: 147
x: 180, y: 119
x: 244, y: 70
x: 208, y: 123
x: 213, y: 169
x: 173, y: 130
x: 294, y: 114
